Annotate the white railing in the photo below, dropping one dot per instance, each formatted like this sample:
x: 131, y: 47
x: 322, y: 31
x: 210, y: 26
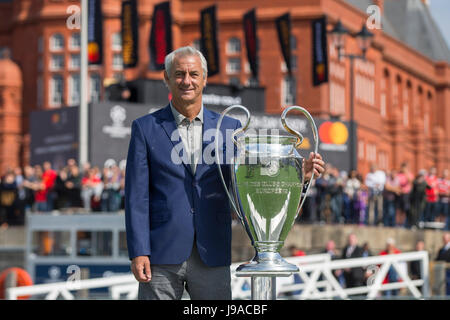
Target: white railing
x: 316, y: 274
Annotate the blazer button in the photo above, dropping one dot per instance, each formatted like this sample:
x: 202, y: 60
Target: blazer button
x: 192, y: 210
x: 194, y: 183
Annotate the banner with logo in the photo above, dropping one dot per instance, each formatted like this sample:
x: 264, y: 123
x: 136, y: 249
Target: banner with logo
x: 283, y: 24
x: 95, y: 32
x: 130, y: 34
x: 251, y: 41
x: 54, y: 136
x: 209, y: 47
x: 319, y: 45
x: 160, y: 35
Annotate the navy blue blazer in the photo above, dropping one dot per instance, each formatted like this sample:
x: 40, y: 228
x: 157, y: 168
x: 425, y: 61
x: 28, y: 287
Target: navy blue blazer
x: 165, y: 204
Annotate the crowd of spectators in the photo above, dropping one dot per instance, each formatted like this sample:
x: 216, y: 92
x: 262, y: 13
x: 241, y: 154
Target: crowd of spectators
x: 44, y: 189
x: 362, y: 276
x: 395, y: 198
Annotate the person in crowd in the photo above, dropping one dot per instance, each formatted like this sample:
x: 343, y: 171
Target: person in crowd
x: 19, y: 212
x: 323, y: 196
x: 375, y: 181
x: 62, y: 196
x: 40, y: 191
x: 29, y: 185
x: 8, y: 197
x: 405, y: 179
x: 111, y: 187
x: 432, y: 195
x: 418, y: 199
x: 73, y: 186
x: 49, y: 178
x: 362, y: 198
x: 391, y: 195
x: 330, y: 248
x: 392, y: 275
x: 351, y: 189
x: 444, y: 198
x: 91, y: 191
x: 354, y: 277
x: 415, y: 268
x: 296, y: 252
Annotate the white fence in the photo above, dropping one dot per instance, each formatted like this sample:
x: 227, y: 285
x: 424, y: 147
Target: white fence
x: 316, y: 274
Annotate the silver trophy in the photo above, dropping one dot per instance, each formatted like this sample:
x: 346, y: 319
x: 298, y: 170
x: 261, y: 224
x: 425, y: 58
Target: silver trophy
x: 267, y: 184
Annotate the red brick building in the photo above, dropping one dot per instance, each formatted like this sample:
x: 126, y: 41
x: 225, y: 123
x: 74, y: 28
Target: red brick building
x: 401, y: 96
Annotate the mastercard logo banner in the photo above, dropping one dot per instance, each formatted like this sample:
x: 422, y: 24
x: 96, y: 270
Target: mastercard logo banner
x: 334, y: 133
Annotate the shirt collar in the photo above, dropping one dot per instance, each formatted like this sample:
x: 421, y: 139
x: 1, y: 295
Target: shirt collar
x: 179, y: 117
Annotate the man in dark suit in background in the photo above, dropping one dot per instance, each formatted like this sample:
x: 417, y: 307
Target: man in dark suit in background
x: 444, y: 255
x: 177, y: 212
x: 354, y: 277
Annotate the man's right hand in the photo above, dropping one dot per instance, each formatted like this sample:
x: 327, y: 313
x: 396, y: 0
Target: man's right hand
x: 140, y: 266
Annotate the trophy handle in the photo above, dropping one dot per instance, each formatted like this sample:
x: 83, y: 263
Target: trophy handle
x: 235, y: 132
x: 300, y: 139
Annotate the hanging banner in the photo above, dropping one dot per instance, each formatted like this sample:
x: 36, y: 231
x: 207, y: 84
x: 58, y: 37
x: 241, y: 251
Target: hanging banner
x: 130, y: 35
x: 161, y: 35
x: 319, y: 45
x: 283, y: 24
x: 209, y: 47
x: 95, y: 32
x: 251, y: 41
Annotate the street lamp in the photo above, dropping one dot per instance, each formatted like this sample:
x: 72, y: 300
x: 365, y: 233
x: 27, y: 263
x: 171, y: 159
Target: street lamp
x: 364, y: 39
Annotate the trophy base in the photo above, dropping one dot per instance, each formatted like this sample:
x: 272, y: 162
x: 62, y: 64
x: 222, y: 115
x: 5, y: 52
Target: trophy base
x: 266, y: 264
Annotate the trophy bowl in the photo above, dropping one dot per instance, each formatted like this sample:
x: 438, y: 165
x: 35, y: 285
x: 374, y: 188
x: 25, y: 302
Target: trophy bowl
x: 267, y: 191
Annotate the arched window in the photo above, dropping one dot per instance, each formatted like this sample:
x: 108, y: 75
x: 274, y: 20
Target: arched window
x: 234, y: 45
x: 56, y: 42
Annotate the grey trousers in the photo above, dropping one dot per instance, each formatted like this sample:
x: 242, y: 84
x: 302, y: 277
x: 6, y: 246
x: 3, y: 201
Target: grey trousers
x: 201, y: 281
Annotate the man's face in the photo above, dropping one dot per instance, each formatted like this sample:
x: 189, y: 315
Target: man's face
x: 186, y: 81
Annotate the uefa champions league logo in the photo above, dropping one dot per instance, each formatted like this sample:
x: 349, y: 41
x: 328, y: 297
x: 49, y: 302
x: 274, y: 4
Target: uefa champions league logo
x: 118, y: 115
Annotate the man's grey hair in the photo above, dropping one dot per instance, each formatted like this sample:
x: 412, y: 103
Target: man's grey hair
x: 181, y: 52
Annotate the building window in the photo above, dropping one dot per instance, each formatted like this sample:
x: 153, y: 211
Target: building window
x: 361, y: 149
x: 371, y: 152
x: 234, y: 81
x: 117, y: 61
x: 74, y: 89
x: 337, y: 98
x: 233, y: 46
x: 293, y: 64
x: 75, y: 41
x: 288, y: 91
x: 57, y: 62
x: 56, y: 42
x: 233, y: 65
x: 252, y: 82
x: 40, y: 44
x: 197, y: 44
x: 293, y: 42
x: 56, y: 90
x: 117, y: 41
x: 75, y: 61
x: 39, y: 92
x: 95, y: 85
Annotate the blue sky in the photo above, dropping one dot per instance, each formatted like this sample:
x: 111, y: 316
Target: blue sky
x: 440, y: 10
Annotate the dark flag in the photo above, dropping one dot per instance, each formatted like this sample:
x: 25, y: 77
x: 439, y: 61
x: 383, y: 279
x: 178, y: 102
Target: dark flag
x: 209, y: 48
x: 161, y: 35
x: 95, y: 32
x: 284, y: 37
x: 251, y: 41
x: 319, y: 45
x: 130, y: 35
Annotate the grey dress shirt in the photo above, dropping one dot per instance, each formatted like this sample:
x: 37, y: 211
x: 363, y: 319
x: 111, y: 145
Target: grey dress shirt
x: 191, y: 135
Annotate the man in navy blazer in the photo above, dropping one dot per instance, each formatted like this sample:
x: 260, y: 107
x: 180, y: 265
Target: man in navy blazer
x: 178, y: 217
